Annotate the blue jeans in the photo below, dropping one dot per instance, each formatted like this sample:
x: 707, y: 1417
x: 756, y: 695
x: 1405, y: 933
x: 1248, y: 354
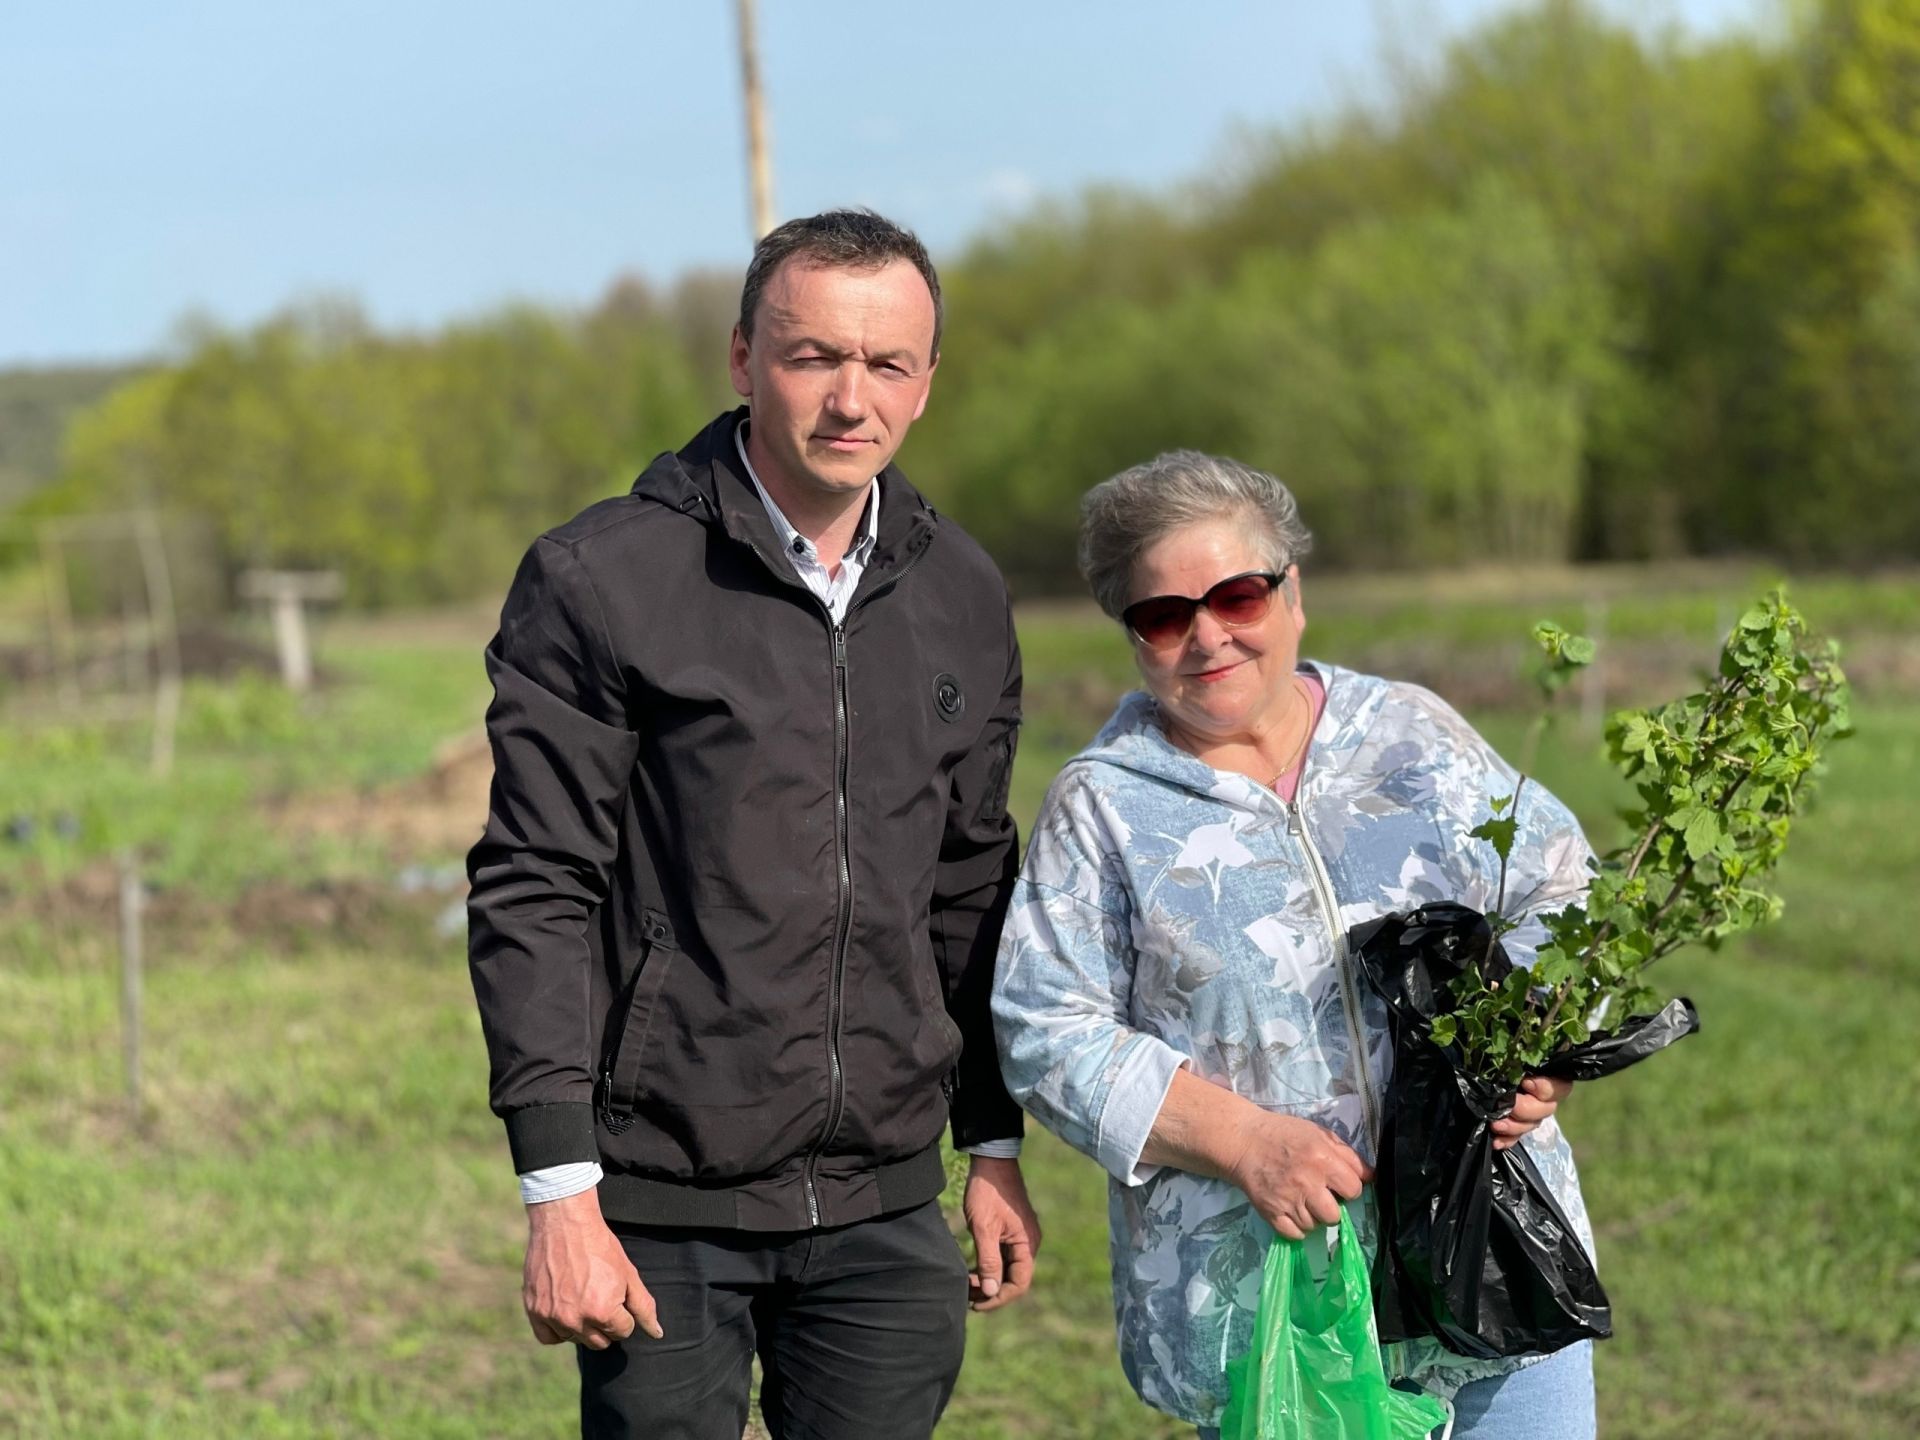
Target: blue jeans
x: 1549, y: 1401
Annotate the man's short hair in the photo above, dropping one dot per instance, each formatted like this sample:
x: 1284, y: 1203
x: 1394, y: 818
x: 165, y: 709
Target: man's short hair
x: 856, y: 239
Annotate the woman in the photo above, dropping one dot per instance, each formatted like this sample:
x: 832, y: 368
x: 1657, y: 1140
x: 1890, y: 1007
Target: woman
x: 1174, y: 996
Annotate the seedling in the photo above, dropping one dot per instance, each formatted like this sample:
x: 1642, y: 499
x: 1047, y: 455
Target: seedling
x: 1719, y: 776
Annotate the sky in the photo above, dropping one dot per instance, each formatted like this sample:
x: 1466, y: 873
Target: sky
x: 431, y: 160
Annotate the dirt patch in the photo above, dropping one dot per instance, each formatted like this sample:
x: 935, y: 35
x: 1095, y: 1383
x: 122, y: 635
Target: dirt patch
x: 439, y: 813
x: 1895, y: 1373
x: 288, y: 917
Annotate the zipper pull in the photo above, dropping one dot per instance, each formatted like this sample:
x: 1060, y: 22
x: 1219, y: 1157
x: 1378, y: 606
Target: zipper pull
x: 840, y: 647
x: 1294, y: 827
x: 616, y: 1123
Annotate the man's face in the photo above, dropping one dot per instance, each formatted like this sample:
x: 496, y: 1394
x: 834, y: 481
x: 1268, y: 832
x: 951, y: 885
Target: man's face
x: 837, y: 371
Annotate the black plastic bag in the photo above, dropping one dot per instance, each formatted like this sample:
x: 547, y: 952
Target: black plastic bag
x: 1473, y: 1247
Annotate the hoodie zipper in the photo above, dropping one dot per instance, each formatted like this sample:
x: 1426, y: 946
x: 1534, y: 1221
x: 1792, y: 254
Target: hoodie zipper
x: 1343, y: 964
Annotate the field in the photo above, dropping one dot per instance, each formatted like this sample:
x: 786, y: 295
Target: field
x: 310, y: 1226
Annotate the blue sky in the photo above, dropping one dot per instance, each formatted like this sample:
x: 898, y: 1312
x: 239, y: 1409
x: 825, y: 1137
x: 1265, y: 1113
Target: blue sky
x: 436, y: 159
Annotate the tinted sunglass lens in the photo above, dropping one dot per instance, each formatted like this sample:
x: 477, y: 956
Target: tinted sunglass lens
x: 1163, y: 619
x: 1240, y: 601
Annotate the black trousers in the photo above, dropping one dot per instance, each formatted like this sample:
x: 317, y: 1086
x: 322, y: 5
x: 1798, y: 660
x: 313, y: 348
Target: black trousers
x: 859, y: 1330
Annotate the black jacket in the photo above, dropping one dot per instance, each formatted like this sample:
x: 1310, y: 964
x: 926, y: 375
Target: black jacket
x: 734, y: 914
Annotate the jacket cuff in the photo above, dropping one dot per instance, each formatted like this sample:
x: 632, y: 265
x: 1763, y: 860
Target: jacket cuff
x: 1142, y: 1076
x: 1002, y: 1121
x: 544, y: 1135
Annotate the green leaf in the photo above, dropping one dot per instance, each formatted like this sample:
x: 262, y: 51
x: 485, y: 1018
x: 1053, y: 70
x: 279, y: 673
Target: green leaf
x: 1498, y: 804
x: 1703, y: 833
x: 1554, y: 969
x: 1498, y: 833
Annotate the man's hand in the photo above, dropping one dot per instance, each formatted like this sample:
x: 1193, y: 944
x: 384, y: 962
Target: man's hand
x: 1539, y: 1097
x: 1006, y: 1233
x: 579, y: 1284
x: 1296, y: 1172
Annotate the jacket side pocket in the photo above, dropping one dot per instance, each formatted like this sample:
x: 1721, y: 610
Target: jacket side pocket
x: 1000, y: 777
x: 625, y: 1058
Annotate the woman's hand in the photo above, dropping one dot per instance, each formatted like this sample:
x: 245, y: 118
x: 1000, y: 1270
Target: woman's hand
x: 1539, y: 1097
x: 1296, y: 1172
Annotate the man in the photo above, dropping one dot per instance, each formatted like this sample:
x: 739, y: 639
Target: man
x: 735, y: 909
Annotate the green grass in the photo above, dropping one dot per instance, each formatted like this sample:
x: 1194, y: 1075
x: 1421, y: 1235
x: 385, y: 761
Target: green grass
x: 314, y: 1231
x: 1757, y: 1192
x: 312, y: 1234
x: 241, y: 748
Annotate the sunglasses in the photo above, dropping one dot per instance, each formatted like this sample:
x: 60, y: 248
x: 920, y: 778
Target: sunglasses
x: 1160, y: 621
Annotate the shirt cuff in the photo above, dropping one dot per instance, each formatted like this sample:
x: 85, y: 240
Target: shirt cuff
x: 1145, y: 1072
x: 556, y: 1182
x: 1008, y: 1149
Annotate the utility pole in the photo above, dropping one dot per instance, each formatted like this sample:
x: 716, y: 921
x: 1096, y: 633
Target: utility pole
x: 759, y: 166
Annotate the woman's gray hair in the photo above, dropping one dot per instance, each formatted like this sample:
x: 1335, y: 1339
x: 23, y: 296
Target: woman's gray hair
x: 1121, y: 517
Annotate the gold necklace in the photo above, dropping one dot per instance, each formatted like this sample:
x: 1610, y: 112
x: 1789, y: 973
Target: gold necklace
x: 1306, y: 734
x: 1181, y: 742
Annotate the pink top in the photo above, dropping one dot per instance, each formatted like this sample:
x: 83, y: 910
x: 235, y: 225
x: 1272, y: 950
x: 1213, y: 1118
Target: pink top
x: 1289, y: 783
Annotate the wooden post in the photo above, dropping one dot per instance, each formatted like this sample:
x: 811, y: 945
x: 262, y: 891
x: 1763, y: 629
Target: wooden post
x: 53, y: 569
x: 759, y: 166
x: 132, y: 903
x: 166, y: 640
x: 289, y: 592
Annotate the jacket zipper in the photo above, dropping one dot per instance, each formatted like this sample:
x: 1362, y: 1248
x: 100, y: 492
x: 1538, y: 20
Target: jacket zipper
x: 843, y: 917
x: 843, y: 844
x: 1349, y: 993
x: 843, y: 921
x: 617, y: 1121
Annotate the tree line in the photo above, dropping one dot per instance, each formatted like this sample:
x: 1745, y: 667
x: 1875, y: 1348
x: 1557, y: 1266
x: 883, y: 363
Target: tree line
x: 1579, y: 291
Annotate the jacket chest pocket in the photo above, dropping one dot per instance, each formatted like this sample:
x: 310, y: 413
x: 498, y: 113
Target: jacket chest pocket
x: 624, y: 1061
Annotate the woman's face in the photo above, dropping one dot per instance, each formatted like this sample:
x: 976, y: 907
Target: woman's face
x: 1218, y: 684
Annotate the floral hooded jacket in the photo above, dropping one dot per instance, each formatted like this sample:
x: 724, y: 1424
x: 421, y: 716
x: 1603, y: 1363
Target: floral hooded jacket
x: 1171, y: 914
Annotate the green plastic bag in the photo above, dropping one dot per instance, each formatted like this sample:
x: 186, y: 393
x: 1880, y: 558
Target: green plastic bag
x: 1314, y: 1370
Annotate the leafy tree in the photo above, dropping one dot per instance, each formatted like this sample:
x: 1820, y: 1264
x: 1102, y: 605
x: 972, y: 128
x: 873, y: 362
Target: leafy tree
x: 1803, y: 355
x: 1579, y: 289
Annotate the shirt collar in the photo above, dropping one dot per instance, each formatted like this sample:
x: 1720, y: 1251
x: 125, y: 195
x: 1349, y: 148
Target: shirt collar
x: 791, y: 540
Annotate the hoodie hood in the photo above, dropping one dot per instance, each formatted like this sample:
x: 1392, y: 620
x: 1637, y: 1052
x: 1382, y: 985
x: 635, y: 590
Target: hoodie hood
x: 1135, y: 738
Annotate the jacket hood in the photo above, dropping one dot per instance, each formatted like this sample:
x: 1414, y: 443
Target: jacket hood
x: 1134, y: 737
x: 706, y: 480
